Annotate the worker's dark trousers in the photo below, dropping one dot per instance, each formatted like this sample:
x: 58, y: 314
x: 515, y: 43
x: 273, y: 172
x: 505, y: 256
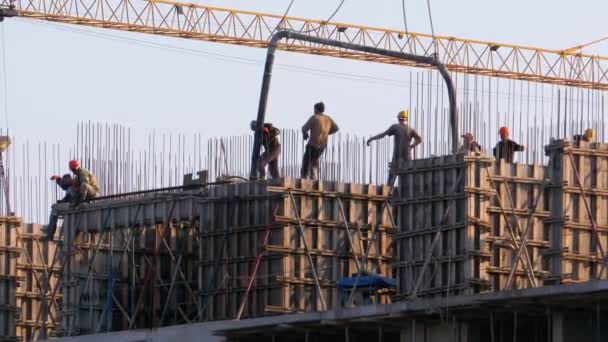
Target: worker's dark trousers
x: 393, y: 168
x: 310, y: 162
x: 269, y: 158
x: 52, y: 226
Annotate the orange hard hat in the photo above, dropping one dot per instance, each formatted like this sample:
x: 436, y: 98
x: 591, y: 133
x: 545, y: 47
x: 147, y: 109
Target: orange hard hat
x: 74, y: 164
x: 503, y: 130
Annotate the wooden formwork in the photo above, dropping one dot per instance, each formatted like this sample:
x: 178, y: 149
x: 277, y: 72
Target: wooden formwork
x: 437, y: 244
x: 33, y: 275
x: 285, y: 281
x: 8, y: 278
x: 579, y: 211
x: 188, y: 256
x: 461, y: 220
x: 517, y: 213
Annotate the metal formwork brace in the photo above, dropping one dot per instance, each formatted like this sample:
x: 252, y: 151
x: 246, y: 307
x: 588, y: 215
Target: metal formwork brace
x: 589, y: 213
x: 212, y: 283
x: 258, y: 260
x: 90, y: 266
x: 385, y: 204
x: 47, y: 284
x: 352, y: 248
x: 67, y: 255
x: 126, y: 242
x: 526, y: 260
x: 429, y: 255
x: 524, y: 237
x: 303, y: 239
x: 151, y: 274
x: 180, y: 272
x: 30, y: 262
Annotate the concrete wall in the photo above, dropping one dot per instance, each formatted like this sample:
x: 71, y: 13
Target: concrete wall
x: 179, y: 333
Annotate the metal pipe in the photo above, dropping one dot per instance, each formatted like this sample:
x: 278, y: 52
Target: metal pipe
x: 272, y: 47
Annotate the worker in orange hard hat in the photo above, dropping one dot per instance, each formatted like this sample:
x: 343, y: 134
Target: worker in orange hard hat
x: 403, y: 135
x: 588, y: 136
x: 469, y: 144
x: 85, y: 183
x: 272, y: 150
x: 506, y: 148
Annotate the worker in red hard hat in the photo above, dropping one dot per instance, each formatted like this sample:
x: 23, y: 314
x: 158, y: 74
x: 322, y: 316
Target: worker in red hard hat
x: 85, y: 183
x: 272, y: 150
x: 469, y: 144
x: 506, y: 148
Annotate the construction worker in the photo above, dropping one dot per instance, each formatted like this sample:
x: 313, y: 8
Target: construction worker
x: 321, y: 126
x: 506, y: 148
x: 272, y: 150
x: 85, y: 183
x: 588, y: 136
x: 403, y: 135
x: 66, y: 183
x: 469, y: 145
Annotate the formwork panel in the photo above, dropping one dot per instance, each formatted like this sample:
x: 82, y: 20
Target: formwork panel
x: 455, y: 214
x: 577, y: 204
x: 123, y: 266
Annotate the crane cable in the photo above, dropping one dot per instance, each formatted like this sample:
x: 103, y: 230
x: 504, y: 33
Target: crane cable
x: 282, y: 18
x: 404, y: 18
x: 4, y: 77
x: 325, y: 22
x: 335, y: 12
x: 428, y: 5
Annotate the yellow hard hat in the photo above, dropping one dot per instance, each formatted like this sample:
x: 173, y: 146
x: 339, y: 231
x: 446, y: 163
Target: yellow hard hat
x: 403, y: 115
x: 590, y: 133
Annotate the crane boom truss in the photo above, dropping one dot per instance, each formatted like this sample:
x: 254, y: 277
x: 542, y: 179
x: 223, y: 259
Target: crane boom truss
x: 254, y: 29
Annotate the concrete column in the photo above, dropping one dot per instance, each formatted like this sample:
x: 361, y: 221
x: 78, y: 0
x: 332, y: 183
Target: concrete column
x: 557, y: 323
x: 408, y: 332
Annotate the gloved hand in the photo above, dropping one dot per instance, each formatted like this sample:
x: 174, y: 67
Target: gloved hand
x: 305, y: 136
x: 369, y: 141
x: 55, y: 177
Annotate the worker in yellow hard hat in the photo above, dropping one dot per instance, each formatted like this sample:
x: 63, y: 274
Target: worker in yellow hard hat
x: 403, y: 135
x: 588, y: 136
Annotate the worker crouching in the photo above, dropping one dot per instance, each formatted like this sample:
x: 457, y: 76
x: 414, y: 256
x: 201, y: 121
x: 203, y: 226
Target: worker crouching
x: 272, y: 150
x: 83, y: 186
x: 85, y: 183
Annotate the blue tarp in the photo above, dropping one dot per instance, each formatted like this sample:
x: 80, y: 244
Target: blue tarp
x: 367, y: 280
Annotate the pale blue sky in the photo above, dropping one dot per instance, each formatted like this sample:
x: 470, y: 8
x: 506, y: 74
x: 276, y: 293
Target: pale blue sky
x: 57, y: 76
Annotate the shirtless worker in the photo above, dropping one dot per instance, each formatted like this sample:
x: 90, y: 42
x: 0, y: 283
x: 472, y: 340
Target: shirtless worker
x: 403, y: 134
x: 321, y: 126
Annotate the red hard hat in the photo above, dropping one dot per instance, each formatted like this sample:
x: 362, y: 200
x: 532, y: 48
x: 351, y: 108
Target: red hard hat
x: 503, y: 130
x: 74, y: 164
